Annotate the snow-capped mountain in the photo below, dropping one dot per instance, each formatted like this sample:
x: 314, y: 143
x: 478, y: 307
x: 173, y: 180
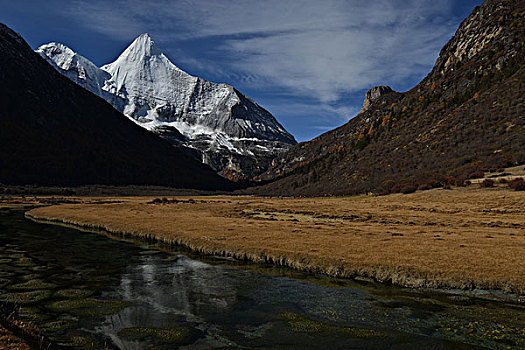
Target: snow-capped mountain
x: 226, y: 129
x: 55, y: 133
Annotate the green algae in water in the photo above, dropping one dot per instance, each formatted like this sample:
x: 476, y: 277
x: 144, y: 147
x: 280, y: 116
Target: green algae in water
x: 31, y: 285
x: 24, y: 262
x: 88, y: 306
x: 75, y: 339
x: 171, y: 335
x: 149, y: 252
x: 482, y: 333
x: 73, y: 293
x: 301, y: 324
x: 33, y: 314
x: 15, y: 255
x: 57, y: 325
x: 4, y: 281
x: 40, y: 268
x: 485, y: 326
x: 26, y: 297
x: 15, y: 251
x: 31, y: 276
x: 4, y: 273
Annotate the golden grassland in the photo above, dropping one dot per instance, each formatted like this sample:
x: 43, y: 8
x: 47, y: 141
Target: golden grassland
x: 461, y: 238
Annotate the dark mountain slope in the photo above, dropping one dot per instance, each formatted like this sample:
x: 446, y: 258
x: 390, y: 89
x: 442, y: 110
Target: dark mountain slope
x: 53, y: 132
x: 466, y: 116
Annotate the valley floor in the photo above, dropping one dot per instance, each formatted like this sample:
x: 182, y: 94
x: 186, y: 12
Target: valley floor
x: 461, y: 238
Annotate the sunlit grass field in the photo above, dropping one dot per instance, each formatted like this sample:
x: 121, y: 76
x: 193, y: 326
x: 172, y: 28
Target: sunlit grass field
x: 461, y: 238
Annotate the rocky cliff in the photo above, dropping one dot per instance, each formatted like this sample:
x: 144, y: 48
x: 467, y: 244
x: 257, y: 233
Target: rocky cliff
x: 373, y: 94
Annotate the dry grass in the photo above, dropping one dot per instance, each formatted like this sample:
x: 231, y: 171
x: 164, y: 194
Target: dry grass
x: 462, y: 238
x: 16, y: 334
x: 21, y: 201
x: 9, y: 341
x: 8, y: 202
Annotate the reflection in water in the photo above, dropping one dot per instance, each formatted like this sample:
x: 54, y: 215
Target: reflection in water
x: 183, y: 286
x: 174, y: 301
x: 167, y: 292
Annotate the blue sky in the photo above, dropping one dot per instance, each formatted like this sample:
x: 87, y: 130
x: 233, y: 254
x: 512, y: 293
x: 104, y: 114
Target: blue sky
x: 309, y: 62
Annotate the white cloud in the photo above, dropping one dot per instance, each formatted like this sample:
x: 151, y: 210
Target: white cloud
x: 317, y: 50
x: 314, y: 117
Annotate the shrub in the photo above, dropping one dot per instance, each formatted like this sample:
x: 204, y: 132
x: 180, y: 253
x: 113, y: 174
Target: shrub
x: 387, y: 185
x: 409, y: 188
x: 476, y: 174
x: 405, y: 188
x: 450, y: 181
x: 396, y: 188
x: 487, y: 183
x: 503, y: 180
x: 429, y: 184
x: 460, y: 182
x: 424, y: 187
x: 517, y: 184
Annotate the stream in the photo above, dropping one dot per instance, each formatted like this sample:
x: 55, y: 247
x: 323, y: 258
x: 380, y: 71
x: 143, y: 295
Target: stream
x: 93, y: 291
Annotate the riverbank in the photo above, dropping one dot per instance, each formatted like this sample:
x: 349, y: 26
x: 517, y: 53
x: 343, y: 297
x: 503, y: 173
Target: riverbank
x: 10, y: 341
x: 16, y: 334
x: 466, y: 238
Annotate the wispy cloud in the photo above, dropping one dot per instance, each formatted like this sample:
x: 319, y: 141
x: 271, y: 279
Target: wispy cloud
x: 313, y: 116
x: 317, y: 50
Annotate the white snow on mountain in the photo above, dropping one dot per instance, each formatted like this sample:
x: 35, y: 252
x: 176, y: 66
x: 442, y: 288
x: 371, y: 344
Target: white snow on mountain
x: 75, y: 67
x: 232, y: 133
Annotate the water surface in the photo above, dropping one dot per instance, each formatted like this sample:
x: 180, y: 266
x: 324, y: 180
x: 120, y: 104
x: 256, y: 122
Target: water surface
x: 87, y: 290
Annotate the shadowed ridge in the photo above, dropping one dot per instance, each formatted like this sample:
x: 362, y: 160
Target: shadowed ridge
x: 53, y: 132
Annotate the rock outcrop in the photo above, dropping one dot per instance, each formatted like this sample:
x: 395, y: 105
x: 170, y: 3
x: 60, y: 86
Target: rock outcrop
x: 373, y: 94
